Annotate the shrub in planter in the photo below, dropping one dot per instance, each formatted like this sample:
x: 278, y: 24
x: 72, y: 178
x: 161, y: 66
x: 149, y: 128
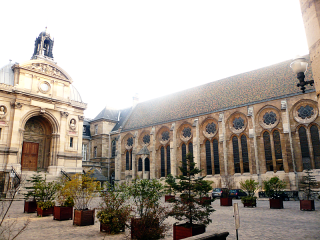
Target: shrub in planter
x: 64, y: 209
x: 273, y: 188
x: 203, y: 188
x: 82, y: 188
x: 115, y: 211
x: 307, y: 184
x: 148, y: 221
x: 189, y: 207
x: 30, y: 204
x: 170, y: 193
x: 225, y: 200
x: 250, y: 186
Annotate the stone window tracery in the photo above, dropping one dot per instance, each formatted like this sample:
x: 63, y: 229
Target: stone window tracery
x: 270, y: 118
x: 186, y: 132
x: 130, y: 141
x: 238, y: 123
x: 146, y: 139
x: 211, y: 128
x: 165, y: 136
x: 305, y: 112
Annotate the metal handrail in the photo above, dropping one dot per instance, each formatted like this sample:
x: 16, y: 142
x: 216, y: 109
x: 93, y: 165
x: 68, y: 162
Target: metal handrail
x: 65, y: 175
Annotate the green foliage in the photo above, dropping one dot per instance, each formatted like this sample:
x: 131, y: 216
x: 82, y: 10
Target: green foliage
x: 34, y: 179
x: 45, y: 205
x: 63, y: 197
x: 274, y: 187
x: 248, y: 199
x: 190, y: 207
x: 170, y: 182
x: 115, y: 208
x: 81, y: 188
x: 250, y: 186
x: 308, y: 183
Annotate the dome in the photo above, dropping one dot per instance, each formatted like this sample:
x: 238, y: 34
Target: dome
x: 74, y: 94
x: 6, y: 74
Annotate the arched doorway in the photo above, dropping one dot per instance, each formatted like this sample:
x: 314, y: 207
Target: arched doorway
x: 36, y: 144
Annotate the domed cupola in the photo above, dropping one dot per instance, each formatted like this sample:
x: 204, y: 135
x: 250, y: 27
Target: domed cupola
x: 43, y: 46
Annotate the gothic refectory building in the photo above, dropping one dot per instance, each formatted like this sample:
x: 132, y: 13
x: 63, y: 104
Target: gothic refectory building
x: 41, y: 115
x: 253, y: 125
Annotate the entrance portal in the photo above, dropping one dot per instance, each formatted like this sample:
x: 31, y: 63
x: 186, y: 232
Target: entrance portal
x: 29, y: 157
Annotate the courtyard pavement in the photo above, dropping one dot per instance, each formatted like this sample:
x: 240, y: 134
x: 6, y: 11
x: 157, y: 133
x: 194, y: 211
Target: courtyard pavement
x: 255, y: 223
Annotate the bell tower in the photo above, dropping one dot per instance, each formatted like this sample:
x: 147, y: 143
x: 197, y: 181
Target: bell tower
x: 43, y: 46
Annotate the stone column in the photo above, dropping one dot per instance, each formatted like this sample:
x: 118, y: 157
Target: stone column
x: 196, y: 143
x: 152, y: 158
x: 134, y: 152
x: 173, y: 150
x: 222, y: 138
x: 117, y: 164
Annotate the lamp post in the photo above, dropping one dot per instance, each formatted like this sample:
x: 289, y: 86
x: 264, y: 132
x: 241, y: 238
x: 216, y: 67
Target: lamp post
x: 299, y: 67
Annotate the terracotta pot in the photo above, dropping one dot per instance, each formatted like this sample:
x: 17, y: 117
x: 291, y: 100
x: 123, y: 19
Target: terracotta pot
x: 168, y: 197
x: 276, y: 203
x: 107, y: 229
x: 307, y: 205
x: 184, y: 230
x: 62, y: 213
x: 225, y: 201
x: 44, y: 212
x: 30, y: 207
x: 83, y: 217
x: 138, y: 227
x: 252, y: 203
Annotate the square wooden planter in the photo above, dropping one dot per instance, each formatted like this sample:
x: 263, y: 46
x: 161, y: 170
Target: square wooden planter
x: 62, y: 213
x: 250, y: 204
x: 44, y: 212
x: 83, y: 217
x: 225, y: 201
x: 276, y: 203
x: 206, y: 200
x: 138, y: 227
x: 183, y: 230
x: 307, y: 205
x: 30, y: 207
x: 168, y: 197
x: 107, y: 229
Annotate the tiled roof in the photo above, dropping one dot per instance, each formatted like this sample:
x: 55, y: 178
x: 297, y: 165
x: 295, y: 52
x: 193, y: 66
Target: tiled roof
x: 107, y: 114
x: 276, y: 81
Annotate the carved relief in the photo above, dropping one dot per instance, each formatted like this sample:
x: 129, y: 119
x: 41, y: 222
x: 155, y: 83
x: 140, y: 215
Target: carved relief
x: 34, y: 127
x: 16, y: 105
x: 46, y: 69
x: 3, y: 111
x: 64, y: 114
x: 72, y: 124
x: 81, y: 118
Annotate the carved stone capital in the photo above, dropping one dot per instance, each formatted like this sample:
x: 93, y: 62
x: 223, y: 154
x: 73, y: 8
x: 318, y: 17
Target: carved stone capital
x: 16, y: 105
x: 81, y: 118
x: 64, y: 114
x: 42, y: 111
x: 283, y: 104
x: 221, y: 116
x: 250, y: 111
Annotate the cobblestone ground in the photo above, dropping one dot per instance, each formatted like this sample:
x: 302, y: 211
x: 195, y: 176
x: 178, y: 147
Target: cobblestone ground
x: 255, y: 223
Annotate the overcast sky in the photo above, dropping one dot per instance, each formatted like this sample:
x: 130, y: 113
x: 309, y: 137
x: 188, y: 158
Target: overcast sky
x: 115, y: 49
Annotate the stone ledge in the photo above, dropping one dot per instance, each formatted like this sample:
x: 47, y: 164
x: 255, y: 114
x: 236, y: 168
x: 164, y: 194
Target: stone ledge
x: 209, y: 236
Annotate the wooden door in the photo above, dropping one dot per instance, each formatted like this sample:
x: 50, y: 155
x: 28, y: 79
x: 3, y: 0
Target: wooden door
x: 29, y: 157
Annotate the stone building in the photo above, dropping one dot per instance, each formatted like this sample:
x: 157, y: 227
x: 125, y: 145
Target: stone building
x: 41, y: 115
x: 253, y: 125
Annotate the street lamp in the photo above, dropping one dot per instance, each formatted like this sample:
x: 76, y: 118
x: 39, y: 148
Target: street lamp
x: 299, y: 67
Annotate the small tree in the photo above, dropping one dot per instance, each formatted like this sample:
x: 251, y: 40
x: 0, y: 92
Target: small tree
x: 170, y: 182
x: 228, y: 183
x: 308, y: 183
x: 44, y: 193
x: 250, y: 186
x: 273, y: 187
x: 34, y: 179
x: 190, y: 207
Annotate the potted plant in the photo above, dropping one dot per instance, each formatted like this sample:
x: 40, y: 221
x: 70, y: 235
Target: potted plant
x: 189, y: 207
x: 203, y: 188
x: 82, y: 188
x: 115, y: 209
x: 307, y: 183
x: 250, y: 186
x: 148, y: 222
x: 64, y: 210
x: 273, y: 188
x: 170, y: 182
x: 30, y: 204
x: 44, y: 195
x: 225, y: 199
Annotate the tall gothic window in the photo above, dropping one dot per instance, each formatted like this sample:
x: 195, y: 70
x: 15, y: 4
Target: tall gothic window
x: 236, y: 158
x: 127, y: 160
x: 168, y: 160
x: 184, y: 155
x: 216, y: 156
x: 113, y: 153
x: 314, y: 132
x: 140, y: 165
x: 267, y: 151
x: 208, y: 158
x: 147, y: 165
x: 163, y: 166
x: 190, y: 147
x: 277, y: 150
x: 304, y: 147
x: 131, y: 160
x: 245, y: 157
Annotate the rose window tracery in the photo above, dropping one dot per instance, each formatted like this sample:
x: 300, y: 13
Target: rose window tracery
x: 238, y: 123
x: 165, y: 136
x: 211, y: 128
x: 130, y: 141
x: 305, y: 112
x: 146, y: 139
x: 186, y: 132
x: 270, y: 118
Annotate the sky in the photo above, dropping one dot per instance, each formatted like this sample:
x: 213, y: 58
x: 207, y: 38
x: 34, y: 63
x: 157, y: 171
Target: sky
x: 114, y: 50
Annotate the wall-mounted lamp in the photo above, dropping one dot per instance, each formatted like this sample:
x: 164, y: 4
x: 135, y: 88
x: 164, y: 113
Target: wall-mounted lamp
x: 299, y: 67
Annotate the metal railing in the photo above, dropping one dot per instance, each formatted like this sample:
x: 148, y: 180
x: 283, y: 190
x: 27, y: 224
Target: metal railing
x: 65, y: 175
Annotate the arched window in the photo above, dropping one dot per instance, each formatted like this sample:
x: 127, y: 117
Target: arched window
x: 236, y: 158
x: 127, y: 160
x: 314, y: 132
x: 163, y: 166
x: 277, y: 150
x: 168, y: 160
x: 131, y: 160
x: 113, y: 152
x: 304, y: 148
x: 267, y: 151
x: 208, y: 158
x: 184, y: 160
x: 190, y: 147
x: 216, y: 156
x: 140, y: 164
x: 147, y: 165
x: 245, y: 157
